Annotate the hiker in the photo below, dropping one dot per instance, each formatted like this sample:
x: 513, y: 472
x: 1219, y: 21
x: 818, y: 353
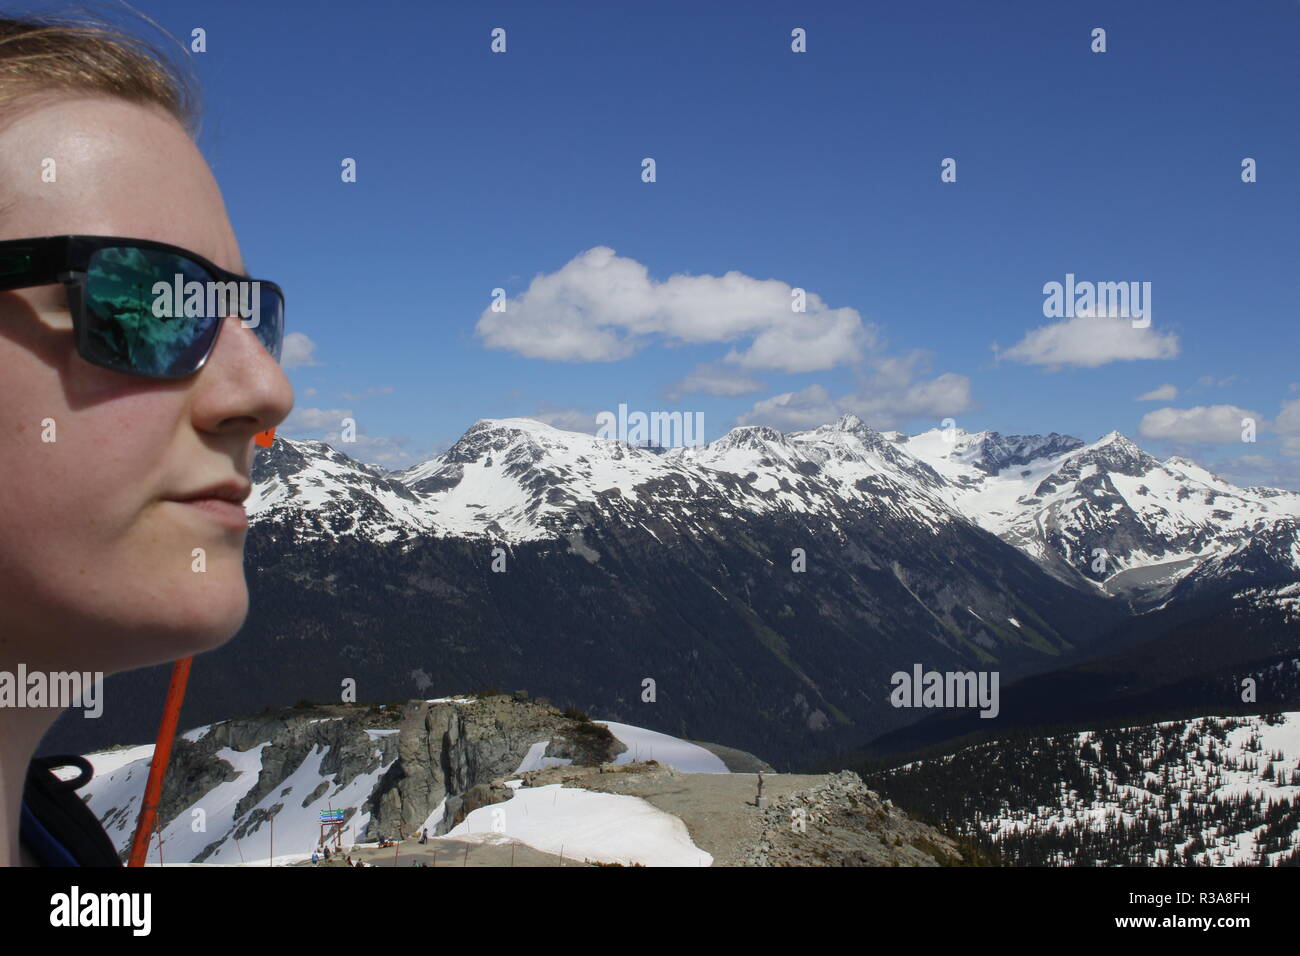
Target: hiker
x: 161, y: 410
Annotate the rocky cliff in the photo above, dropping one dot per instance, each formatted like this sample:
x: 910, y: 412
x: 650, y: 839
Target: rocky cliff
x: 488, y: 772
x: 393, y: 769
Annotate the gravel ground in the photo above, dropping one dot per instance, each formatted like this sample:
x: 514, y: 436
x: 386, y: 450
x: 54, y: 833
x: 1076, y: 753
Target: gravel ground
x: 808, y: 820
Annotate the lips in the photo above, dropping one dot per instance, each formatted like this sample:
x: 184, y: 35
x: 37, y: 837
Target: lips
x: 232, y: 491
x: 221, y: 502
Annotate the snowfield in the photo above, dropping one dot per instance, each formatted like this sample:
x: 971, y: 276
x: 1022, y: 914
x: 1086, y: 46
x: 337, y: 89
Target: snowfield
x: 679, y: 754
x: 582, y: 825
x: 115, y: 792
x: 1184, y: 770
x: 586, y: 825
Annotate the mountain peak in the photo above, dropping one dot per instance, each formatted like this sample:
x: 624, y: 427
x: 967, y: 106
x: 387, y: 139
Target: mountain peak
x: 511, y: 424
x: 748, y: 436
x: 1118, y: 439
x: 846, y: 424
x: 1116, y: 444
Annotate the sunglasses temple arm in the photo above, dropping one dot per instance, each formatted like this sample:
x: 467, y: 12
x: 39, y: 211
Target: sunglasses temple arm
x: 29, y: 278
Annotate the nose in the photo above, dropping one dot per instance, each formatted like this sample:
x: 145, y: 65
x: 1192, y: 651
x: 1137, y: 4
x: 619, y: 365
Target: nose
x: 242, y: 390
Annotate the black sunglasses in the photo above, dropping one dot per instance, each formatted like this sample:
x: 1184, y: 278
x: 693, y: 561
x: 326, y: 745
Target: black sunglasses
x: 135, y: 304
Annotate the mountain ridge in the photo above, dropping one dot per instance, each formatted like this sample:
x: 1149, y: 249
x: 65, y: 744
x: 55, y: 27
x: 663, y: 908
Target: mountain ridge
x: 768, y: 583
x: 1103, y: 513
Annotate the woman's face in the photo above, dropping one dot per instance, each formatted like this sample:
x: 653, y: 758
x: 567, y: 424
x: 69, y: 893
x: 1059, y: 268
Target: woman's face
x: 97, y: 565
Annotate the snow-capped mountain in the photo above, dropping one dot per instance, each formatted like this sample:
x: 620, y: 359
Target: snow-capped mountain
x: 1267, y: 562
x: 770, y: 582
x: 331, y: 495
x: 519, y: 480
x: 1106, y: 512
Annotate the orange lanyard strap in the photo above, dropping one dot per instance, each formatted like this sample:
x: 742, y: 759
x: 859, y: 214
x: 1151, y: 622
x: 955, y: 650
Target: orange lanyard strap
x: 162, y: 753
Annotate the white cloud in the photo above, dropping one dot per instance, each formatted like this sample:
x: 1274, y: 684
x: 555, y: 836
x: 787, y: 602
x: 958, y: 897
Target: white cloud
x: 601, y: 307
x: 377, y: 390
x: 387, y: 451
x: 793, y: 411
x: 567, y: 419
x: 316, y: 419
x: 1164, y: 393
x: 714, y: 380
x: 1209, y: 381
x: 1087, y: 341
x: 1248, y: 470
x: 1287, y: 425
x: 1213, y: 423
x: 892, y: 391
x: 888, y: 396
x: 297, y: 350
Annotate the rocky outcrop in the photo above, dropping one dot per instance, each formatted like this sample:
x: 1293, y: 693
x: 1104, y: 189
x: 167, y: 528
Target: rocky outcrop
x: 422, y: 755
x: 445, y: 750
x: 839, y: 822
x: 260, y: 783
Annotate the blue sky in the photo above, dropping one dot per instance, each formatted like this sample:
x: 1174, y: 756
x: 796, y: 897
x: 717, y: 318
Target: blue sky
x: 820, y: 170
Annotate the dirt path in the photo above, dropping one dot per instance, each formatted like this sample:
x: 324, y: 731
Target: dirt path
x: 717, y: 808
x: 444, y: 852
x: 841, y: 822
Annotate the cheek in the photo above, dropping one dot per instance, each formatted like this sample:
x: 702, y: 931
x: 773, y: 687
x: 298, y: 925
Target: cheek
x: 101, y: 598
x: 95, y: 571
x: 80, y: 476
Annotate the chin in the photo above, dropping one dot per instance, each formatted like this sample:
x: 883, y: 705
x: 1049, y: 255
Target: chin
x: 195, y: 620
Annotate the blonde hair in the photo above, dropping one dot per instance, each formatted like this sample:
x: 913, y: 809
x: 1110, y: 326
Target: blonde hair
x: 85, y: 55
